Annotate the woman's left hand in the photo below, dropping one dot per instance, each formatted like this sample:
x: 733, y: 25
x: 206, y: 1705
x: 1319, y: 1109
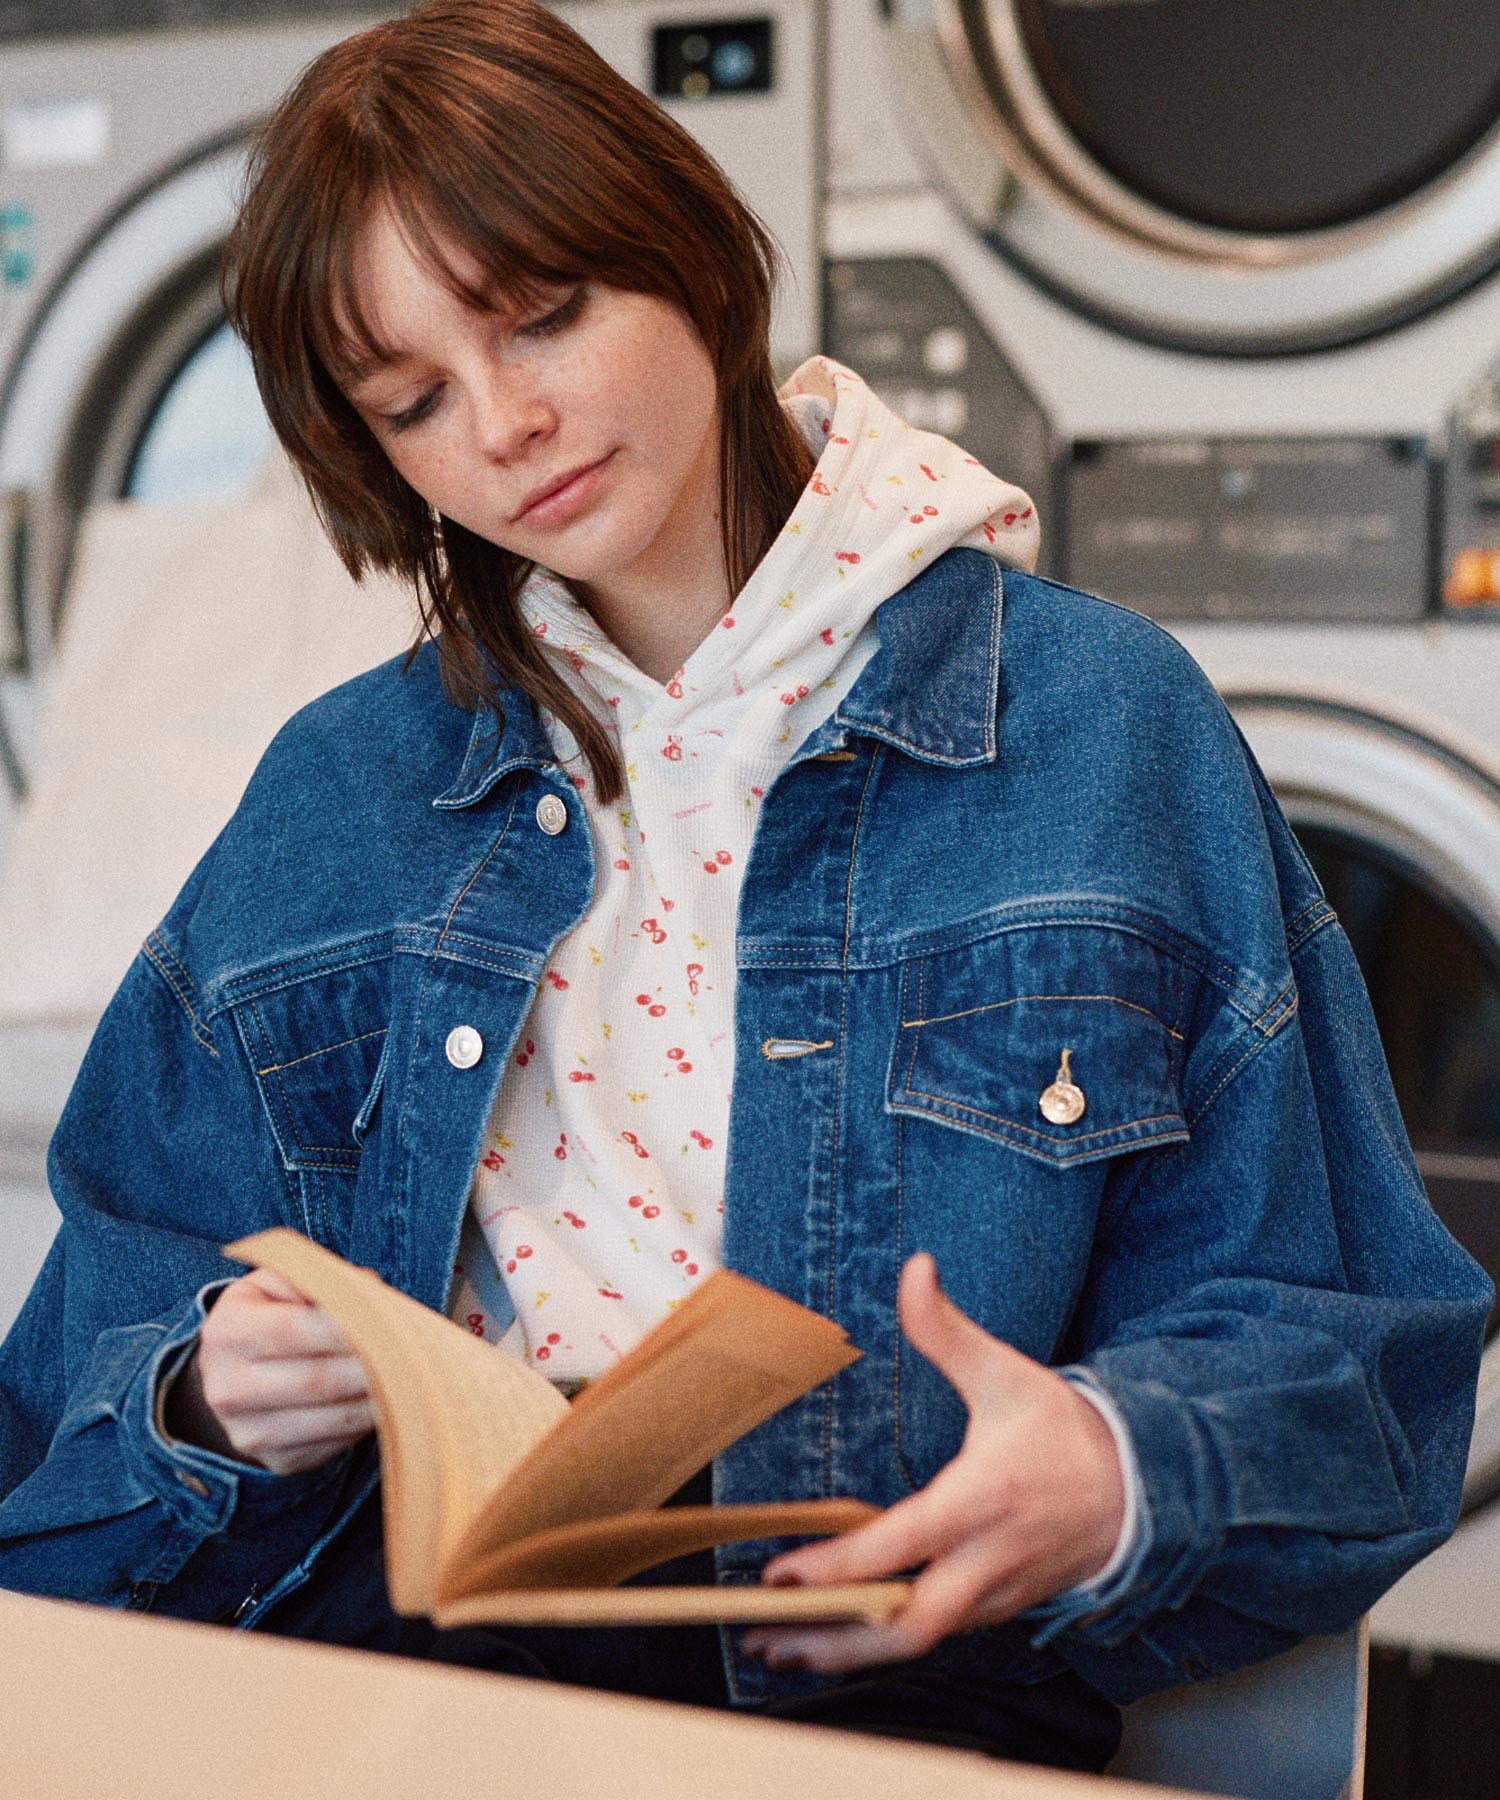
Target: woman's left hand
x: 1032, y: 1504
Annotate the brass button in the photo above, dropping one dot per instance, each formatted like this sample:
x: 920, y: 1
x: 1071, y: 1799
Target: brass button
x: 1063, y: 1102
x: 551, y: 814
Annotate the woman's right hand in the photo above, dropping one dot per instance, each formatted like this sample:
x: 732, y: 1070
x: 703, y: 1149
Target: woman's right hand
x: 272, y: 1381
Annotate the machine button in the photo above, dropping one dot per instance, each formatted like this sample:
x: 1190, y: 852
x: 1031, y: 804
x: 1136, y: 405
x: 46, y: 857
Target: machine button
x: 465, y: 1046
x: 551, y: 814
x: 1474, y: 578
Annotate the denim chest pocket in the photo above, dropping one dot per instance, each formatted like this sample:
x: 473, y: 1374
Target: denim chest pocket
x: 1059, y: 1041
x: 1028, y: 1068
x: 317, y: 1046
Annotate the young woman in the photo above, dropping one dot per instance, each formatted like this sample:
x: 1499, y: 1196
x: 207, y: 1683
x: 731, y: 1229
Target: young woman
x: 751, y: 864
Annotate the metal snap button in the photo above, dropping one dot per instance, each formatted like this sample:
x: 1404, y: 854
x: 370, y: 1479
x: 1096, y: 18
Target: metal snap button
x: 1063, y: 1102
x: 551, y: 814
x: 465, y: 1046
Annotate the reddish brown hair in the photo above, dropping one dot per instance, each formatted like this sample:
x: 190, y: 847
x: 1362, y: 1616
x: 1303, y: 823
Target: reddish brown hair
x: 491, y: 125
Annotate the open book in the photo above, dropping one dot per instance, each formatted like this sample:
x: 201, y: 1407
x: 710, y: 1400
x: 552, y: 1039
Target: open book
x: 505, y: 1503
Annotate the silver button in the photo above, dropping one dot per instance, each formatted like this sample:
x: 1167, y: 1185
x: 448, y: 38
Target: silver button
x: 465, y: 1046
x: 551, y: 814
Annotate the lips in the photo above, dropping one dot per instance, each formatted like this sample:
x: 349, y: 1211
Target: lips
x: 548, y: 488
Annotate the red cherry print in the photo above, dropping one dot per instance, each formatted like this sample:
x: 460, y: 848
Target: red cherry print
x: 561, y: 1152
x: 679, y: 1256
x: 657, y: 933
x: 927, y: 472
x: 543, y: 1353
x: 557, y: 981
x: 989, y: 531
x: 672, y: 749
x: 621, y: 862
x: 838, y: 440
x: 685, y: 1068
x: 827, y: 426
x: 554, y: 1337
x: 848, y: 556
x: 614, y: 699
x: 524, y: 1056
x: 580, y: 782
x: 510, y: 1267
x: 706, y: 1143
x: 666, y: 904
x: 759, y: 793
x: 710, y: 868
x: 580, y: 1075
x: 818, y: 484
x: 723, y: 856
x: 674, y: 688
x: 694, y: 970
x: 915, y: 519
x: 692, y: 1268
x: 574, y: 1220
x: 636, y: 1200
x: 727, y: 621
x: 523, y: 1251
x: 635, y: 1143
x: 1010, y: 518
x: 826, y: 634
x: 539, y: 629
x: 930, y: 512
x: 649, y: 1212
x: 610, y: 1294
x: 475, y: 1322
x: 675, y: 1055
x: 492, y: 1159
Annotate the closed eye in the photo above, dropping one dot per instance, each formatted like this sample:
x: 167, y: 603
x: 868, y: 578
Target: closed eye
x: 557, y: 320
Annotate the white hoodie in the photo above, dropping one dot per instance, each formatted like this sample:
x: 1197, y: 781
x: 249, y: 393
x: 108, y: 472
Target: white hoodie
x: 599, y: 1198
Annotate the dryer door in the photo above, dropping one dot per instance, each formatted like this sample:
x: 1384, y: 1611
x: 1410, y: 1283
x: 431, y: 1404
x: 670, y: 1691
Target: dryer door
x: 1272, y: 174
x: 1405, y: 838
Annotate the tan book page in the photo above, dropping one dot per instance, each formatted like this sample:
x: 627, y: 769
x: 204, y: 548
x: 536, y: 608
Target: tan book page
x: 732, y: 1354
x: 733, y: 1603
x: 453, y: 1414
x: 602, y: 1552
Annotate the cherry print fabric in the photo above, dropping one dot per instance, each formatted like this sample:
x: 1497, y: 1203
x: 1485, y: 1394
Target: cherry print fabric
x: 598, y: 1199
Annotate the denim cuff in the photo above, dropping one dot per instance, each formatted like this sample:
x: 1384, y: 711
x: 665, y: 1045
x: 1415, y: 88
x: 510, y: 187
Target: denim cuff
x: 201, y: 1487
x: 1181, y: 1517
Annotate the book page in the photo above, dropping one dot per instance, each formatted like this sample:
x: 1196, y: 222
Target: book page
x: 730, y: 1603
x: 730, y: 1355
x: 453, y: 1414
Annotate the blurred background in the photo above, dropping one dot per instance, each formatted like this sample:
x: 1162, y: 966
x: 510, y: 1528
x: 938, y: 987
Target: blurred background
x: 1219, y: 284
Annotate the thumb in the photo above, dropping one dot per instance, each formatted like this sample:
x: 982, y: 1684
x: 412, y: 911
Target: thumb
x: 961, y: 1349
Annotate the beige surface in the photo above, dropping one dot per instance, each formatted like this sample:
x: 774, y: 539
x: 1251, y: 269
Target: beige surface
x: 110, y: 1706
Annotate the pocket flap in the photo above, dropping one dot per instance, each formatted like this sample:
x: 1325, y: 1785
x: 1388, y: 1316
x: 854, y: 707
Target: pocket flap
x: 1054, y: 1040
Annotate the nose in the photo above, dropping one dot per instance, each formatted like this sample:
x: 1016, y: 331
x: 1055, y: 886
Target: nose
x: 511, y: 412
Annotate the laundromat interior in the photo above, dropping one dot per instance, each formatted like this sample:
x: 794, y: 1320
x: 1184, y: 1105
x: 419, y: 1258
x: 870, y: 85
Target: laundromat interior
x: 1217, y: 285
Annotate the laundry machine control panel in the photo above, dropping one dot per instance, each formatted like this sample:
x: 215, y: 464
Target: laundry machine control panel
x: 1274, y: 528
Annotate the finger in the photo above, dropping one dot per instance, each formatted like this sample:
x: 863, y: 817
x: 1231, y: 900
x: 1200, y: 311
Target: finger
x: 280, y: 1386
x: 263, y: 1435
x: 274, y: 1286
x: 901, y: 1537
x: 978, y: 1365
x: 305, y: 1456
x: 264, y: 1328
x: 955, y: 1593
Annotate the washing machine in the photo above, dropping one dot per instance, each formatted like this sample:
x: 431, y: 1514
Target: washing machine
x: 1218, y: 285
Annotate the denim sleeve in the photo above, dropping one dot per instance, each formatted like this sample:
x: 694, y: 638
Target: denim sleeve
x: 1300, y: 1405
x: 96, y: 1503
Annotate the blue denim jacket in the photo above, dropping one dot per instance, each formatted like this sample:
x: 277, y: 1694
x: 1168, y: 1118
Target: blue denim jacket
x: 999, y: 846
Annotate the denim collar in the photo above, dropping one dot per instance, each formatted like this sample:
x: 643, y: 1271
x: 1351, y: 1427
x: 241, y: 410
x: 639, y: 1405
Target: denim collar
x: 931, y: 689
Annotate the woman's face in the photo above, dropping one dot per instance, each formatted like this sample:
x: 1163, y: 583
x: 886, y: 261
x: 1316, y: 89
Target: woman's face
x: 483, y: 408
